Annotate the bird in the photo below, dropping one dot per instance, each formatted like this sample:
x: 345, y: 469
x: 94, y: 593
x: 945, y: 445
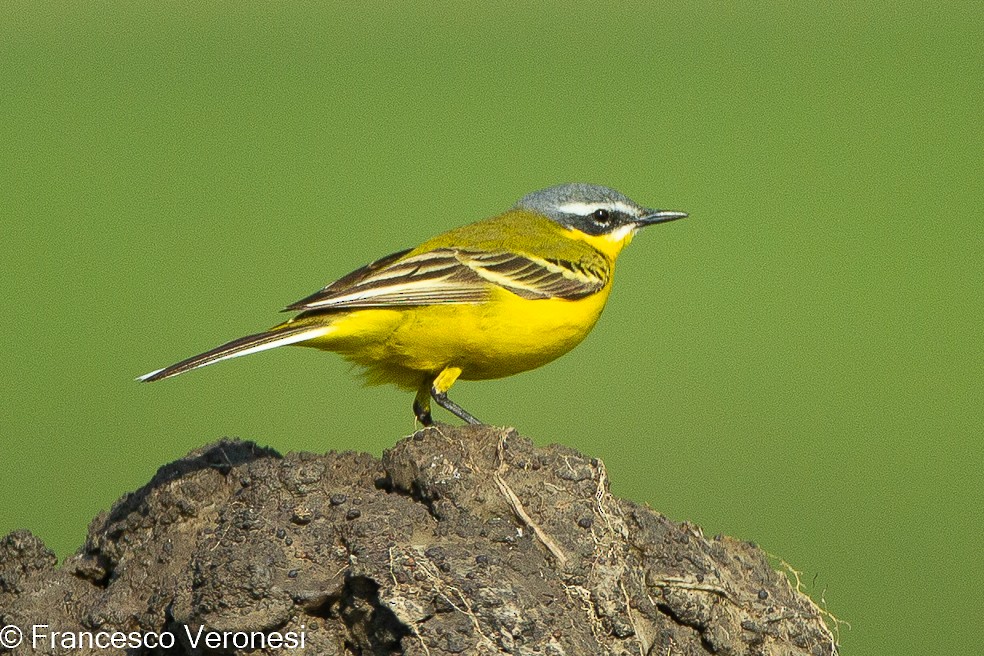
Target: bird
x: 486, y: 300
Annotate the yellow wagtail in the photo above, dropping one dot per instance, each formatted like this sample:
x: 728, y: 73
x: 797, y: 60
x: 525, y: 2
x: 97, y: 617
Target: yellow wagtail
x: 486, y: 300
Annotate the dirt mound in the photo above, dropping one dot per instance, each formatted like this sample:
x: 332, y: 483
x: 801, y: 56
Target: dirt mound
x: 458, y: 541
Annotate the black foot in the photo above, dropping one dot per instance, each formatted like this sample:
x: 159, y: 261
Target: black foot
x: 423, y: 414
x: 452, y: 407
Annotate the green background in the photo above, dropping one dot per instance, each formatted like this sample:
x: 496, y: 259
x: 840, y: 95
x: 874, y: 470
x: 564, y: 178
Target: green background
x: 798, y: 364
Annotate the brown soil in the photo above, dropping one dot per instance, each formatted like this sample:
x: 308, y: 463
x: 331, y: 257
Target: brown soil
x: 458, y: 541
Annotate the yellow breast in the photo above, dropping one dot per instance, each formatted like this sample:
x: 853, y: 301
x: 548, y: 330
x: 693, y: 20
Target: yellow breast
x: 500, y: 337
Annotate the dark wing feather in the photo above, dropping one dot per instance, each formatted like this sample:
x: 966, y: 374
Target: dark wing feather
x: 532, y: 277
x: 450, y: 275
x: 347, y: 281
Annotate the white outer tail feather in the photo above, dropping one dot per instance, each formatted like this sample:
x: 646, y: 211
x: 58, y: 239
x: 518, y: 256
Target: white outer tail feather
x: 291, y: 338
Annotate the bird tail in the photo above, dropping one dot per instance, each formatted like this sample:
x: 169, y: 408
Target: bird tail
x: 237, y: 347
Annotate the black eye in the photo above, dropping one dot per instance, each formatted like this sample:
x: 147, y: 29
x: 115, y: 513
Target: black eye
x: 602, y: 217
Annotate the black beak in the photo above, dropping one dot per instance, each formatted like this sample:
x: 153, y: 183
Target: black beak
x: 659, y: 216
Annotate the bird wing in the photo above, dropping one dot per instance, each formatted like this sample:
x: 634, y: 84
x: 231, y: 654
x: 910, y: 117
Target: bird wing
x: 533, y: 277
x: 452, y: 275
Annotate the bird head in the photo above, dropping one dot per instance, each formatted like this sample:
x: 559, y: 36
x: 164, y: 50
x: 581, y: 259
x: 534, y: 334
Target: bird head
x: 600, y: 214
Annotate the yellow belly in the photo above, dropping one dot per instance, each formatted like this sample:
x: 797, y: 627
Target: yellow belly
x: 503, y: 336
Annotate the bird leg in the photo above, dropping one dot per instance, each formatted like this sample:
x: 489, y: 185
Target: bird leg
x: 438, y: 390
x: 422, y: 413
x: 452, y: 407
x: 422, y: 403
